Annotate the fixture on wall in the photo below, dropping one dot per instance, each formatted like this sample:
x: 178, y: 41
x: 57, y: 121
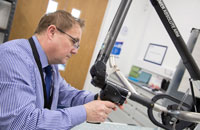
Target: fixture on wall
x: 76, y: 13
x: 52, y: 6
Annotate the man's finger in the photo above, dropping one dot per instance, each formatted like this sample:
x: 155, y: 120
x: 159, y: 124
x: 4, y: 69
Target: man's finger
x: 109, y: 104
x: 121, y: 107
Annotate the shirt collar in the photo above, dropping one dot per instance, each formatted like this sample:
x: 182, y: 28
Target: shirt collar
x: 42, y: 55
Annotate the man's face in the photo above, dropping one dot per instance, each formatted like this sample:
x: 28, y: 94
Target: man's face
x: 64, y: 44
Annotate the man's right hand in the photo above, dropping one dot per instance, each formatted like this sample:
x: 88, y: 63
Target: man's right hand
x: 97, y: 110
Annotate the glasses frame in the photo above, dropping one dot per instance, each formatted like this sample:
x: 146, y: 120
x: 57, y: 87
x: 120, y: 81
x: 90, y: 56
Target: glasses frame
x: 75, y: 41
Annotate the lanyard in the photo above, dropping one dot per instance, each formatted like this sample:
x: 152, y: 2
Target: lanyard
x: 37, y: 59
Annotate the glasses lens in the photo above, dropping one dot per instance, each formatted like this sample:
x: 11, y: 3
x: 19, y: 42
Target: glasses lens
x: 74, y: 40
x: 76, y: 45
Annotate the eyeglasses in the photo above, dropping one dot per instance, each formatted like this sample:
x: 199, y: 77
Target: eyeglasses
x: 74, y: 40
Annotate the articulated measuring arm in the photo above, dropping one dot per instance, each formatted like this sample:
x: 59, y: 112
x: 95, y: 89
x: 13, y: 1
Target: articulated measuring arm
x: 98, y: 70
x: 118, y: 95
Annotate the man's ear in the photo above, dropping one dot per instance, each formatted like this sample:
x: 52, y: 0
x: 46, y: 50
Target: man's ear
x: 51, y: 31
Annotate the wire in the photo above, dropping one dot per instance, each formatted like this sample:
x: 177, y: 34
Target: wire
x: 193, y: 95
x: 180, y: 105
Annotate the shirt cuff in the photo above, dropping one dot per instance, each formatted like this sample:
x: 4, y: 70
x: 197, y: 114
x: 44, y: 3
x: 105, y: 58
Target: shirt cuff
x: 89, y: 98
x: 78, y: 114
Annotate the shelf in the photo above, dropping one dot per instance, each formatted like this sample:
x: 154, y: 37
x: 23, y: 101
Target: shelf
x: 10, y: 1
x: 3, y: 30
x: 7, y: 9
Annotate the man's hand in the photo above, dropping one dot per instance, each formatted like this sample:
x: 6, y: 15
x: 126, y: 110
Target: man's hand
x: 120, y: 106
x: 97, y: 111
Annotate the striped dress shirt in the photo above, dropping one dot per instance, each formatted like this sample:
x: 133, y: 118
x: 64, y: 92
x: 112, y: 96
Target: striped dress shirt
x: 21, y: 92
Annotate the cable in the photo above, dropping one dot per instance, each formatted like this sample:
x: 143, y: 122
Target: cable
x: 193, y: 95
x: 180, y: 105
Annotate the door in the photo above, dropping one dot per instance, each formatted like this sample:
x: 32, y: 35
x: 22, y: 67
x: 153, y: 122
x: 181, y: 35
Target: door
x: 92, y: 11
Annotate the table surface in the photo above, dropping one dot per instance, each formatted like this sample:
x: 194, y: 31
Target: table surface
x: 110, y: 126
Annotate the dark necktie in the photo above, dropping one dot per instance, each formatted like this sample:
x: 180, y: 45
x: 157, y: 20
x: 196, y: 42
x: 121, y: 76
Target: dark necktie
x: 48, y: 71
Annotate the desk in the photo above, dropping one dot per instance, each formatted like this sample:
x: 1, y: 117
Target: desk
x: 110, y: 126
x: 145, y: 87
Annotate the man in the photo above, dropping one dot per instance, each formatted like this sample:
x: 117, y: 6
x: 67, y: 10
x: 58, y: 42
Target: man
x: 27, y: 99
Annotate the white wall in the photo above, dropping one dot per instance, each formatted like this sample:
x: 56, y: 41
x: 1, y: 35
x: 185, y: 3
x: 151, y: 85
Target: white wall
x: 185, y: 15
x: 144, y: 27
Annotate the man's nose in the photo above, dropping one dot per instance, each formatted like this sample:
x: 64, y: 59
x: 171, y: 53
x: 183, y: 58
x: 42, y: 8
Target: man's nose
x: 74, y: 51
